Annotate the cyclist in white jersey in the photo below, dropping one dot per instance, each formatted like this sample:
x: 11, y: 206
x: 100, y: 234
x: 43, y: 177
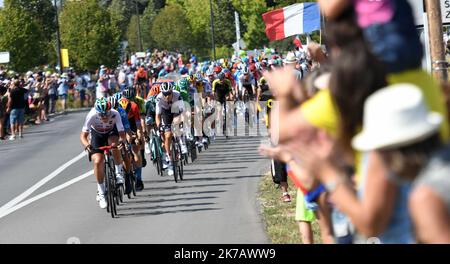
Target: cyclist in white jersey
x: 105, y: 127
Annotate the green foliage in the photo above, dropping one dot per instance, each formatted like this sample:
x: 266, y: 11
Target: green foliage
x: 251, y: 11
x: 146, y: 25
x: 121, y: 12
x: 89, y: 34
x: 22, y: 36
x: 132, y: 34
x: 171, y: 29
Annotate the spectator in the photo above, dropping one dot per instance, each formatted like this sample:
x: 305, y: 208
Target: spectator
x: 16, y: 108
x: 63, y: 91
x: 102, y: 89
x: 37, y: 99
x: 412, y: 150
x: 52, y: 86
x: 3, y: 105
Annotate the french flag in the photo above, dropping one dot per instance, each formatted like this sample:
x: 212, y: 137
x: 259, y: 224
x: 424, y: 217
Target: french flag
x: 292, y: 20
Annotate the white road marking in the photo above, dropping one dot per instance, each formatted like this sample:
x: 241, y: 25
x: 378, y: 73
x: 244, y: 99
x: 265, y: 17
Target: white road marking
x: 47, y: 193
x: 33, y: 188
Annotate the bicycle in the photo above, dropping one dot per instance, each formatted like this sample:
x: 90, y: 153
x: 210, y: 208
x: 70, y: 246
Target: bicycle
x: 132, y: 174
x: 177, y: 159
x: 110, y: 179
x: 156, y: 150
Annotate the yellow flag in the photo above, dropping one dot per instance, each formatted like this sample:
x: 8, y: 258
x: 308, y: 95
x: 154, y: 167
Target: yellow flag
x: 65, y: 58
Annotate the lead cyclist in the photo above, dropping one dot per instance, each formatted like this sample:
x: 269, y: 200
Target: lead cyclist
x: 105, y: 127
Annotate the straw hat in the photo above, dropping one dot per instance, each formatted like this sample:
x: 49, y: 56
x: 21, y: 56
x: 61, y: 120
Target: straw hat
x: 396, y: 116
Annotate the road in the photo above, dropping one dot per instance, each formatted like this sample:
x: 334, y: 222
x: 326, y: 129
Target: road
x: 45, y: 199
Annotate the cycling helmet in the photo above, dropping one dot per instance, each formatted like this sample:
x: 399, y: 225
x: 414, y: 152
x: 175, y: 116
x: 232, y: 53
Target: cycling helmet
x: 166, y: 87
x: 102, y: 106
x: 183, y: 83
x: 217, y: 69
x: 191, y: 78
x: 198, y: 77
x: 209, y: 72
x: 221, y: 76
x: 114, y: 100
x: 245, y: 70
x: 125, y: 104
x: 128, y: 93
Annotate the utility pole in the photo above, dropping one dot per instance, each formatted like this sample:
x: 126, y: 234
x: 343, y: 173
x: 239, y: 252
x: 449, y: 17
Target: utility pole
x: 212, y: 30
x: 58, y: 38
x: 439, y: 64
x: 238, y: 31
x: 139, y: 27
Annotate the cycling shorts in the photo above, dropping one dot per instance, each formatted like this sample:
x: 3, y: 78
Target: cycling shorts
x: 99, y: 140
x: 249, y: 89
x: 167, y: 119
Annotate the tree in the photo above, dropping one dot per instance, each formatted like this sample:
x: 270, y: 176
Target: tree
x: 121, y: 13
x: 42, y: 11
x: 90, y: 35
x: 132, y: 35
x: 146, y: 24
x: 171, y: 29
x: 251, y: 12
x: 44, y: 14
x: 22, y: 36
x: 224, y: 22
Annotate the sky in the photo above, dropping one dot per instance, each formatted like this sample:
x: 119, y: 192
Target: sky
x: 1, y: 3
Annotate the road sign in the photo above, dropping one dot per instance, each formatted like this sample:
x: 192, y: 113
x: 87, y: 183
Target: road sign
x: 140, y: 54
x: 418, y: 9
x: 4, y: 57
x: 65, y: 58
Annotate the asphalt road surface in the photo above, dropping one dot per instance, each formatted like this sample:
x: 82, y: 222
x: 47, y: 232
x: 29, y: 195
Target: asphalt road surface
x: 47, y: 194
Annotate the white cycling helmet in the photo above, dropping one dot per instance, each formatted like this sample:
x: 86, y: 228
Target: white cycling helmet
x: 166, y: 87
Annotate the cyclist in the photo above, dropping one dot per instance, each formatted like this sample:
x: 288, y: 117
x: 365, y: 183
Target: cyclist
x: 222, y: 89
x: 140, y: 102
x: 247, y: 84
x: 140, y: 80
x: 105, y: 127
x: 164, y: 119
x: 114, y: 100
x: 136, y: 137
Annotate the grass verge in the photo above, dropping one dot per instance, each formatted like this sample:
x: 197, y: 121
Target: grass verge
x: 279, y: 216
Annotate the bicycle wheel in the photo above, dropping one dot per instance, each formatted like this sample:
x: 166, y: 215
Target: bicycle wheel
x: 155, y: 155
x: 174, y: 160
x: 110, y: 185
x: 193, y: 151
x: 121, y: 193
x: 107, y: 188
x: 180, y: 162
x: 133, y: 182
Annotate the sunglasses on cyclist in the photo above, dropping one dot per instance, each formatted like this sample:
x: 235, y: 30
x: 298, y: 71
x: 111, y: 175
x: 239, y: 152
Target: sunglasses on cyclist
x: 167, y: 93
x: 103, y: 115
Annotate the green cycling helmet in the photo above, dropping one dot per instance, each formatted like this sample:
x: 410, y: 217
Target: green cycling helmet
x: 183, y: 84
x: 102, y: 106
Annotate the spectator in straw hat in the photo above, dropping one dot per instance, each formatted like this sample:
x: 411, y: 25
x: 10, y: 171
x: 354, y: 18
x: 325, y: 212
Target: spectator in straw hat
x: 406, y: 136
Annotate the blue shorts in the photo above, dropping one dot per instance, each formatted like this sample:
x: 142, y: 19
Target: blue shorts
x: 63, y: 96
x: 17, y: 116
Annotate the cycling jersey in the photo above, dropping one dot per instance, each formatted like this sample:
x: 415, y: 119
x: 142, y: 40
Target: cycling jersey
x: 221, y: 89
x: 164, y: 108
x: 95, y: 122
x: 141, y: 76
x: 185, y: 95
x: 162, y: 104
x: 134, y: 117
x: 250, y: 81
x: 124, y: 118
x: 140, y: 103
